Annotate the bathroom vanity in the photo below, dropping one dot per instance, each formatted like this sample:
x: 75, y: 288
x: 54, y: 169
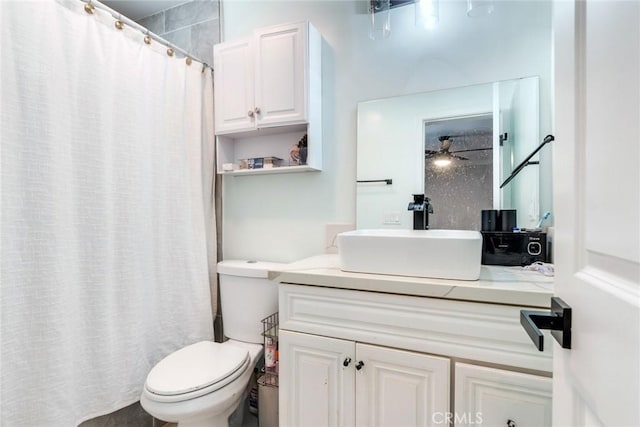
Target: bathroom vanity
x: 367, y: 349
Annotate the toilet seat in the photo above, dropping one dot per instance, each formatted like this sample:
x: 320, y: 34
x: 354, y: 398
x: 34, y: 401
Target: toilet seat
x: 196, y: 370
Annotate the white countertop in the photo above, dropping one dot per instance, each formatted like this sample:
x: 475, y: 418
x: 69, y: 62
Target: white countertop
x: 497, y: 284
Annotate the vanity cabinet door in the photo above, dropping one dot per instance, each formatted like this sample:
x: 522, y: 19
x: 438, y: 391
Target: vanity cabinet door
x: 498, y: 398
x: 400, y: 388
x: 281, y: 74
x: 234, y: 86
x: 316, y: 388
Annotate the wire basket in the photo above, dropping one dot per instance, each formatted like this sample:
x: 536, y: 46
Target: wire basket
x: 270, y: 334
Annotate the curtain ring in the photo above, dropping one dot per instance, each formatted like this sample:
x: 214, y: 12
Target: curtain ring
x: 89, y: 8
x: 170, y: 52
x: 188, y: 60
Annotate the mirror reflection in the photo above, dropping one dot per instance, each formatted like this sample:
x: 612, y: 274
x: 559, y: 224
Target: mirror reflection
x: 459, y: 169
x: 455, y: 146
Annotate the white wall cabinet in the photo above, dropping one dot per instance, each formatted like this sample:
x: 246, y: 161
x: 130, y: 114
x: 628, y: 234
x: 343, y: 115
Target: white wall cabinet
x: 500, y: 398
x: 406, y: 345
x: 268, y: 91
x: 333, y: 382
x: 233, y: 86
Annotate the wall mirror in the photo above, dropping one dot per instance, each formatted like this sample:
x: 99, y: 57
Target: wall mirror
x: 456, y: 146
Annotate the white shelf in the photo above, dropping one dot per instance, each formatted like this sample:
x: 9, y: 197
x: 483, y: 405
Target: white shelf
x: 263, y: 171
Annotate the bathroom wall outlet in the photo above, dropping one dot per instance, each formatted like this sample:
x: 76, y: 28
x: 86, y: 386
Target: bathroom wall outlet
x: 332, y: 230
x: 391, y: 218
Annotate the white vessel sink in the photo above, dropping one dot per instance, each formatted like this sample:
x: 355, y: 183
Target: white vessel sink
x: 441, y: 254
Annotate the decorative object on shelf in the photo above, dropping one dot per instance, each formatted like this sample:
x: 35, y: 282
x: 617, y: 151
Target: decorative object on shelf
x: 298, y: 151
x: 303, y: 149
x: 294, y: 154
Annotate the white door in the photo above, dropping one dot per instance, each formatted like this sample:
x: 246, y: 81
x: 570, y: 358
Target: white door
x: 281, y: 75
x: 597, y: 202
x: 316, y: 388
x: 234, y: 88
x: 400, y: 388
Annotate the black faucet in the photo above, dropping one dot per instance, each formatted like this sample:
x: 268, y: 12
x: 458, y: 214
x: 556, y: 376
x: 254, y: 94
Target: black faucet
x: 421, y: 207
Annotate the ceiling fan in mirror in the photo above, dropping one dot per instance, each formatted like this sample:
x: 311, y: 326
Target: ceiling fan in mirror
x: 444, y: 156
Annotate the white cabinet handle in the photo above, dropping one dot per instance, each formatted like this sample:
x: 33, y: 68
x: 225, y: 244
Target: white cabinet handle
x: 250, y: 113
x: 257, y: 110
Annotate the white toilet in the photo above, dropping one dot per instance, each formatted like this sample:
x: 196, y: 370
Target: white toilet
x: 202, y: 384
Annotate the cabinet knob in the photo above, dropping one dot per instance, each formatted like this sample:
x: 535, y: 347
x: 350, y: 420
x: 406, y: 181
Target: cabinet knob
x: 511, y: 423
x: 360, y: 365
x: 346, y: 362
x: 257, y: 110
x: 250, y: 113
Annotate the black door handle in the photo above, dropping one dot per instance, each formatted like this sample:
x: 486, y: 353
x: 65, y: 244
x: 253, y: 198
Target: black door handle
x: 558, y: 321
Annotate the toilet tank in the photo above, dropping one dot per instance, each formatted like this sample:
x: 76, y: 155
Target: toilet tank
x: 246, y: 297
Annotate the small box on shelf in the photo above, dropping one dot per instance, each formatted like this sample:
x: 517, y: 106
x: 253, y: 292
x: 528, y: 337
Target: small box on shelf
x: 260, y: 162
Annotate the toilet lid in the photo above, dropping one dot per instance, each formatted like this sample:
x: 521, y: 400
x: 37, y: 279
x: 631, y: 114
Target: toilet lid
x: 195, y: 367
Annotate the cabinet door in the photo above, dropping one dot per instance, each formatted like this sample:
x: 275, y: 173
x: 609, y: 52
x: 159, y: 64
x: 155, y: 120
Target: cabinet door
x: 234, y: 86
x: 498, y: 398
x: 316, y: 389
x: 400, y: 388
x: 281, y: 75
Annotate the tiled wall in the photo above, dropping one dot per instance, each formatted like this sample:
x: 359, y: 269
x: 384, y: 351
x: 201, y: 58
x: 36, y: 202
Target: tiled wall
x: 193, y: 26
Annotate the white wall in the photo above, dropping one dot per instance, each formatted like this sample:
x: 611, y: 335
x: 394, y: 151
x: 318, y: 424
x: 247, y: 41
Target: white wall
x: 526, y: 185
x: 283, y: 217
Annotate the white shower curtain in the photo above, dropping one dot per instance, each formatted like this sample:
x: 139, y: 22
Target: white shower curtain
x: 106, y: 176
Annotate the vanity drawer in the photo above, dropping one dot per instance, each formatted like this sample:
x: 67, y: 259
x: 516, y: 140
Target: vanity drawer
x: 495, y: 397
x: 467, y: 330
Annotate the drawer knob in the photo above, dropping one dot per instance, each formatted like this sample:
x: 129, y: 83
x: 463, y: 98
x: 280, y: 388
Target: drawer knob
x: 250, y: 113
x: 346, y: 362
x: 257, y: 110
x: 360, y: 365
x: 511, y: 423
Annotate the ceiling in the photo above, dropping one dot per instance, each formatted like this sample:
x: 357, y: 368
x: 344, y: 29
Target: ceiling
x: 136, y: 9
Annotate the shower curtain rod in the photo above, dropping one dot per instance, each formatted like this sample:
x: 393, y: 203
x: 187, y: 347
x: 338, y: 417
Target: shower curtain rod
x: 143, y: 30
